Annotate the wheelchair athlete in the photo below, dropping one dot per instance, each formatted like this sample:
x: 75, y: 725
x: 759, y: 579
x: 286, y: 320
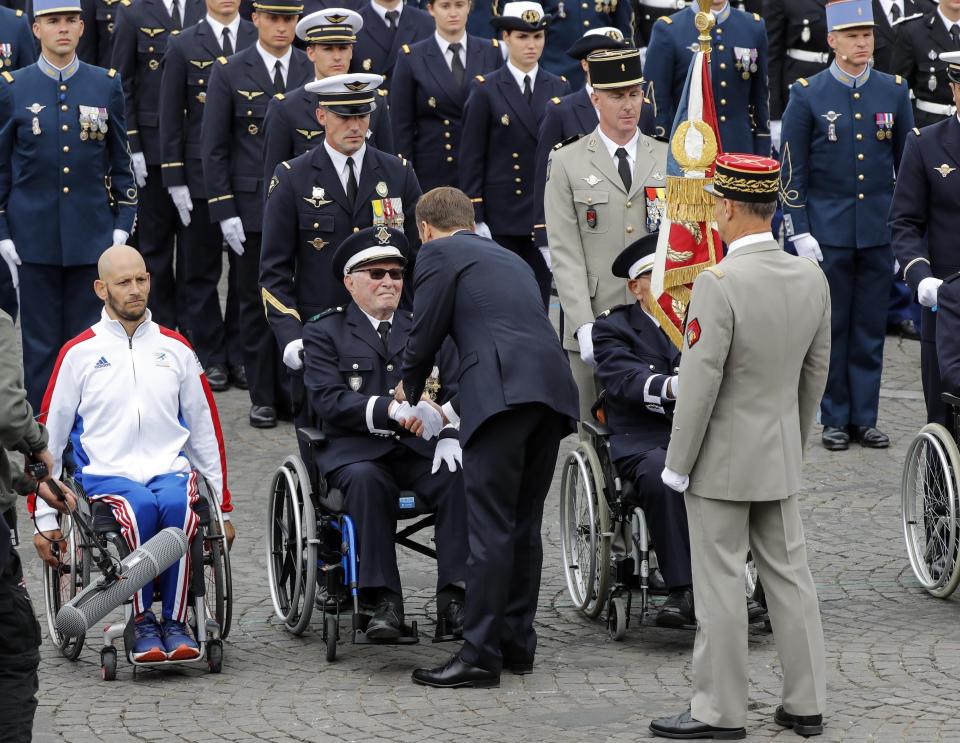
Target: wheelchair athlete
x: 637, y: 365
x: 131, y: 397
x: 352, y: 367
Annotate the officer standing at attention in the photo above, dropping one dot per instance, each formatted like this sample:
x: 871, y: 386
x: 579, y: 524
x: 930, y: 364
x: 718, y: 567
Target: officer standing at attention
x: 602, y: 194
x: 923, y: 227
x: 187, y: 65
x: 647, y: 13
x: 893, y: 13
x: 921, y: 41
x: 498, y: 147
x: 291, y: 127
x: 99, y: 21
x: 143, y: 29
x: 317, y: 200
x: 738, y: 71
x: 66, y: 188
x: 387, y: 26
x: 755, y: 357
x: 843, y: 134
x: 429, y: 88
x: 231, y: 144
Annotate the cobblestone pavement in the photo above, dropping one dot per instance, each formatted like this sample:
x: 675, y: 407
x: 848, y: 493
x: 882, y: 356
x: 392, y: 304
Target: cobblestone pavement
x: 893, y: 652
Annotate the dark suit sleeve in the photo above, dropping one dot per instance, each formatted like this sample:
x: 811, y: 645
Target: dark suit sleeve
x: 173, y: 103
x: 948, y: 333
x: 382, y: 137
x: 448, y: 362
x: 215, y: 136
x: 278, y: 259
x: 760, y: 98
x: 659, y: 73
x: 124, y: 59
x: 435, y: 293
x: 403, y: 102
x: 795, y: 138
x: 277, y: 138
x: 411, y: 195
x: 8, y: 135
x: 122, y: 185
x: 908, y: 215
x: 26, y: 44
x: 551, y: 133
x: 776, y: 22
x: 623, y: 373
x: 473, y: 147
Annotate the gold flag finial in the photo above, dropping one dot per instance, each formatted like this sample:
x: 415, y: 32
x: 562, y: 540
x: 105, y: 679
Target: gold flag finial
x: 704, y: 21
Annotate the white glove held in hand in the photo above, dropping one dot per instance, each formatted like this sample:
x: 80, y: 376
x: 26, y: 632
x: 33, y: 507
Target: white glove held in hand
x: 431, y: 417
x: 483, y: 230
x: 120, y: 237
x: 182, y: 201
x: 545, y: 252
x: 775, y: 134
x: 585, y: 339
x: 448, y: 452
x: 233, y: 233
x: 674, y: 481
x: 926, y: 291
x: 400, y: 411
x: 291, y: 355
x: 139, y: 163
x: 807, y: 246
x: 9, y: 254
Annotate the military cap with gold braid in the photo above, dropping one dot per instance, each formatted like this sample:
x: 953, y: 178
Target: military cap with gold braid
x: 615, y: 68
x: 50, y: 7
x: 953, y: 65
x: 278, y: 7
x: 332, y: 27
x: 745, y: 177
x: 353, y: 94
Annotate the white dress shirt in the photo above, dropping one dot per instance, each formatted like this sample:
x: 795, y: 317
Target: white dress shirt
x: 382, y: 12
x: 270, y: 61
x: 339, y: 161
x: 448, y: 55
x: 374, y: 321
x: 946, y: 21
x: 630, y: 147
x: 519, y: 74
x: 887, y: 6
x: 743, y: 242
x: 217, y: 28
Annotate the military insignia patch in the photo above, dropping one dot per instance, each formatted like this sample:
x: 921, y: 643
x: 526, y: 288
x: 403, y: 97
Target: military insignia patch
x: 367, y: 64
x: 355, y: 381
x: 432, y: 102
x: 382, y: 189
x: 944, y: 170
x: 35, y: 108
x: 317, y: 197
x: 693, y: 333
x: 355, y: 86
x: 200, y: 63
x: 153, y: 65
x: 383, y: 235
x: 274, y: 182
x: 253, y: 129
x: 531, y: 16
x: 505, y: 120
x: 336, y: 19
x: 592, y: 180
x: 309, y: 134
x: 250, y: 94
x: 317, y: 243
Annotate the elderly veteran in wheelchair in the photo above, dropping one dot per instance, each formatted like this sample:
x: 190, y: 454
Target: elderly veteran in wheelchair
x: 376, y: 446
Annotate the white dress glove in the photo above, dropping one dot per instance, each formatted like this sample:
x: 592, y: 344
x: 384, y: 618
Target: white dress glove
x: 233, y: 233
x: 448, y: 452
x: 9, y: 254
x: 807, y: 246
x: 291, y: 355
x: 545, y: 252
x: 585, y: 339
x: 400, y: 411
x: 675, y: 481
x: 180, y: 195
x: 483, y: 230
x: 673, y: 388
x: 120, y: 237
x: 432, y: 419
x: 139, y: 163
x: 926, y: 291
x: 775, y: 134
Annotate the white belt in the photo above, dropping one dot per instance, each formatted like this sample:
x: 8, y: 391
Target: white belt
x: 801, y: 55
x: 943, y: 109
x: 672, y: 4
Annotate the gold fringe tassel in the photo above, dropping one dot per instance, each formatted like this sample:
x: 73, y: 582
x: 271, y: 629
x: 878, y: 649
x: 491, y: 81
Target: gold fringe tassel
x: 687, y: 201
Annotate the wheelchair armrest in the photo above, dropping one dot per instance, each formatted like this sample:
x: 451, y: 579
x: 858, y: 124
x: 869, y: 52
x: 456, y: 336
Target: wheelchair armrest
x: 596, y: 429
x: 311, y: 436
x: 949, y: 399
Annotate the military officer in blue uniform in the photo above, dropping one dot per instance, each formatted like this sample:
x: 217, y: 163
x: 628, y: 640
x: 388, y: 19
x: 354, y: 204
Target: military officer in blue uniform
x: 647, y: 13
x: 387, y: 26
x: 738, y: 70
x: 429, y: 89
x: 187, y: 65
x: 291, y: 126
x: 231, y: 145
x: 481, y: 14
x: 843, y: 134
x: 66, y: 189
x: 99, y: 23
x: 143, y: 29
x: 501, y: 122
x: 924, y: 221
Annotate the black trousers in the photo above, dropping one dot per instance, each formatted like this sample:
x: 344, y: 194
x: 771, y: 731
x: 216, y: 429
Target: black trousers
x: 665, y: 512
x: 508, y: 466
x: 215, y: 335
x: 930, y: 368
x: 157, y: 223
x: 523, y: 246
x: 372, y: 490
x: 261, y: 357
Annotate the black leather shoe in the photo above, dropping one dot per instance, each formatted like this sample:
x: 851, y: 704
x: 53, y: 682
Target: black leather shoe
x: 677, y: 611
x: 386, y: 622
x: 755, y: 611
x: 518, y: 666
x: 684, y: 727
x: 238, y: 376
x: 869, y: 437
x: 451, y: 619
x: 805, y: 725
x: 263, y: 416
x: 217, y: 377
x: 835, y: 438
x: 456, y: 673
x: 906, y: 329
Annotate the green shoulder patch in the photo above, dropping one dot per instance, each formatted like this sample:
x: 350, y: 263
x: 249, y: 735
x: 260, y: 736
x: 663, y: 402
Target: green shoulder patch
x: 326, y: 313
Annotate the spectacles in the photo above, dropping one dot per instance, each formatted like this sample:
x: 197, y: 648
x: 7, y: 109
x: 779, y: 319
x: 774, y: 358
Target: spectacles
x: 377, y: 274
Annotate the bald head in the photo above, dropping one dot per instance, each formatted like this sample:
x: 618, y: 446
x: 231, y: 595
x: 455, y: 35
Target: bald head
x: 119, y: 259
x: 124, y: 284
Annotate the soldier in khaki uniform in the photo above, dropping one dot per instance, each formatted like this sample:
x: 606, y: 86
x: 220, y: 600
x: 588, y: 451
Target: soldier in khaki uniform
x: 602, y: 194
x: 755, y: 359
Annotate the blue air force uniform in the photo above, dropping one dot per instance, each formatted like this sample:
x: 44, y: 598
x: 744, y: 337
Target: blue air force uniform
x: 17, y: 46
x: 426, y: 105
x: 647, y: 14
x: 377, y: 45
x: 65, y: 186
x: 738, y: 71
x: 478, y: 22
x: 842, y: 141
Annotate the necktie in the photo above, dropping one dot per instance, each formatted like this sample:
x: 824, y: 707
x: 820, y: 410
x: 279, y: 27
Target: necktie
x: 392, y: 16
x: 351, y: 182
x: 383, y: 330
x: 895, y: 13
x: 225, y: 44
x: 527, y: 92
x: 955, y: 34
x: 623, y: 167
x: 457, y: 66
x: 278, y: 77
x: 175, y: 15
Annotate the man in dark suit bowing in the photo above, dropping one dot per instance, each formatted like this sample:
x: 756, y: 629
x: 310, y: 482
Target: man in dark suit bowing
x: 517, y: 400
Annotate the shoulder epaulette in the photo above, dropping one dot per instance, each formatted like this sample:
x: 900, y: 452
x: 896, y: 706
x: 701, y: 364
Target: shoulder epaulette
x: 556, y: 100
x: 7, y: 76
x: 803, y: 82
x: 19, y: 13
x: 496, y: 44
x: 666, y: 19
x: 111, y: 72
x: 406, y: 48
x: 756, y: 17
x: 480, y: 79
x: 565, y: 142
x: 222, y: 60
x: 716, y: 271
x: 125, y: 3
x: 278, y: 96
x: 326, y: 313
x: 381, y: 92
x: 404, y: 161
x: 916, y: 131
x: 285, y: 164
x: 607, y: 313
x: 898, y: 79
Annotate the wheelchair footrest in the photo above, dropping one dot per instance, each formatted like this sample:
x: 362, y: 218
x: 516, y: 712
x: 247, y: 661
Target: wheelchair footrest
x: 410, y: 636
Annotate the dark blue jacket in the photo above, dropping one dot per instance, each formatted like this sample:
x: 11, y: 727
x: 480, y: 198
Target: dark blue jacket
x: 742, y: 105
x: 17, y: 45
x: 916, y: 57
x: 143, y: 29
x: 61, y: 197
x: 498, y: 148
x: 426, y: 106
x: 99, y: 21
x: 302, y: 229
x: 481, y: 13
x: 291, y: 128
x: 840, y: 191
x: 800, y: 25
x: 948, y: 333
x: 345, y: 365
x: 646, y: 17
x: 231, y: 138
x: 377, y: 48
x: 634, y: 360
x: 187, y: 67
x: 487, y: 300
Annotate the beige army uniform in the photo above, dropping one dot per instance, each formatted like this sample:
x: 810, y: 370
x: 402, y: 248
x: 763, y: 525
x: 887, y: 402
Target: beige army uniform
x: 755, y: 359
x: 583, y: 180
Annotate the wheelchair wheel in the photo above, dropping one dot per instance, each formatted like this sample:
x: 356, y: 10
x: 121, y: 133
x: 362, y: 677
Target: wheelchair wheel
x: 108, y: 664
x: 219, y: 582
x: 215, y: 656
x: 585, y: 530
x: 617, y: 619
x: 930, y: 509
x: 292, y: 545
x: 61, y: 584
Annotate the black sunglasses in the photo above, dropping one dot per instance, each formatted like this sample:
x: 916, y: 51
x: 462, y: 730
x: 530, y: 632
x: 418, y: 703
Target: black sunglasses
x: 377, y: 274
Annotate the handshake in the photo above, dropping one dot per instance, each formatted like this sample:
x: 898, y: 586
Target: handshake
x: 425, y: 419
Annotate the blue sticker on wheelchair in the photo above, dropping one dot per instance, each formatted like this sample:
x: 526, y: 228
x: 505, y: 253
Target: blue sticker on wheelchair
x: 407, y: 503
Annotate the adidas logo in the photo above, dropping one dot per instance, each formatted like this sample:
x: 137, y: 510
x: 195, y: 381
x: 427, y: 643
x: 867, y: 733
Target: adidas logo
x: 102, y: 363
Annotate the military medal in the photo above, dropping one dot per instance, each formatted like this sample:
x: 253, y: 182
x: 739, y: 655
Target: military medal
x: 805, y: 34
x: 656, y: 198
x: 317, y: 198
x: 591, y: 217
x: 6, y: 51
x: 355, y: 381
x: 884, y: 126
x: 592, y: 180
x: 505, y: 120
x: 35, y: 124
x: 932, y: 82
x: 102, y: 117
x: 831, y: 117
x: 367, y: 64
x: 432, y: 102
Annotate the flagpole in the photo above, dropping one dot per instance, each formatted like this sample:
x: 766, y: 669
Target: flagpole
x: 704, y: 22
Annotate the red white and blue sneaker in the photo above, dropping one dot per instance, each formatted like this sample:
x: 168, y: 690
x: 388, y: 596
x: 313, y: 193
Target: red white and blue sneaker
x: 147, y: 644
x: 177, y: 640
